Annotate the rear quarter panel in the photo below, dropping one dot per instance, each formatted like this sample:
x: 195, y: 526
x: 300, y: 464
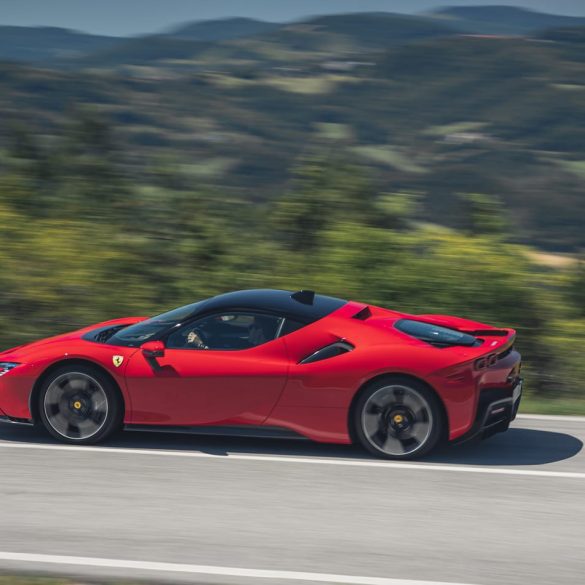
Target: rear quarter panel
x: 318, y: 396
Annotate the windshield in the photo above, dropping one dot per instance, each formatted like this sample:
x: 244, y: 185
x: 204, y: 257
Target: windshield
x: 136, y: 335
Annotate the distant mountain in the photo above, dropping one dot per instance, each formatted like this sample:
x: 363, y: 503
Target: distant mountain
x: 313, y: 39
x: 370, y: 30
x: 38, y: 44
x: 222, y: 30
x: 231, y: 40
x: 502, y: 20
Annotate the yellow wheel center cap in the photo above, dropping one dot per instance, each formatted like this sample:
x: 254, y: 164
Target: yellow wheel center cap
x: 77, y: 405
x: 398, y: 419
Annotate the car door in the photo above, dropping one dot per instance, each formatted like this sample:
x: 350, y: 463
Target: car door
x: 226, y: 368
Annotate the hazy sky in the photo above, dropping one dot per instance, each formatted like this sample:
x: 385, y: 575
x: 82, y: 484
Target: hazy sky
x: 128, y: 17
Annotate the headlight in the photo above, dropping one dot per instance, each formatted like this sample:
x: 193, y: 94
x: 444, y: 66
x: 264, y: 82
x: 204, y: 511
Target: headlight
x: 5, y: 367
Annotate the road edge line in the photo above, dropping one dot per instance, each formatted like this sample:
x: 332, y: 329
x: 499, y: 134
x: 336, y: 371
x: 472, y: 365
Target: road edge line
x: 164, y: 567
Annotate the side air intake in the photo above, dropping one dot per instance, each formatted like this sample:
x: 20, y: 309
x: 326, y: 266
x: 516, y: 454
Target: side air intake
x: 329, y: 351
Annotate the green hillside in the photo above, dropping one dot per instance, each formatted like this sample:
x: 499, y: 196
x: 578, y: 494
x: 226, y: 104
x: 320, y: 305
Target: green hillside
x: 570, y: 35
x: 362, y: 31
x: 424, y: 108
x: 440, y: 116
x: 139, y: 51
x: 222, y: 30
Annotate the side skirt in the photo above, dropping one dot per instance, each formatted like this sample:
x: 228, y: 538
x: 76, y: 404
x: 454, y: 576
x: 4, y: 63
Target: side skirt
x: 16, y: 421
x: 254, y: 432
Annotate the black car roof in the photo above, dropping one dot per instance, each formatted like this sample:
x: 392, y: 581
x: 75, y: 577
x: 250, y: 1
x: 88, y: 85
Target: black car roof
x: 305, y: 307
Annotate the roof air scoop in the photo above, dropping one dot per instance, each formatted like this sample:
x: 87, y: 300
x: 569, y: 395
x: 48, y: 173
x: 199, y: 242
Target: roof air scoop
x: 307, y: 297
x: 364, y: 314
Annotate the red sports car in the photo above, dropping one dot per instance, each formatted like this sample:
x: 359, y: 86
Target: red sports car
x: 271, y: 363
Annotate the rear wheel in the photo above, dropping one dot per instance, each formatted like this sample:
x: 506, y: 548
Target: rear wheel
x: 398, y: 418
x: 80, y: 404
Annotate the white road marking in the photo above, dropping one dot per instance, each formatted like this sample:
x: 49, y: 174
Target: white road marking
x: 207, y: 570
x: 300, y: 460
x: 558, y: 417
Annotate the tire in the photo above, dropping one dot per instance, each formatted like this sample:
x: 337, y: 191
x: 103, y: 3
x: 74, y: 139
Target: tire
x: 79, y: 404
x: 398, y: 418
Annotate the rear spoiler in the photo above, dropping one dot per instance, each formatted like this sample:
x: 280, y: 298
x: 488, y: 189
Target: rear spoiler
x: 463, y: 325
x: 486, y: 332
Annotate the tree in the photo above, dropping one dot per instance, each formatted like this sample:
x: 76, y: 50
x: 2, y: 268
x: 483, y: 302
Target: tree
x: 325, y: 189
x: 576, y: 287
x: 484, y: 215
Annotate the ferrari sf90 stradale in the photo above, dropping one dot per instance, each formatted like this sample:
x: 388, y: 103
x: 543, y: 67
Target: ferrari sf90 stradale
x: 271, y: 363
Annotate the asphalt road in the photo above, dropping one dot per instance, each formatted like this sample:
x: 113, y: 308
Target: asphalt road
x: 510, y: 510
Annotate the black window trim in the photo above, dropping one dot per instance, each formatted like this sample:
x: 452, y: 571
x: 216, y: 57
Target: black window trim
x: 165, y: 333
x: 280, y: 328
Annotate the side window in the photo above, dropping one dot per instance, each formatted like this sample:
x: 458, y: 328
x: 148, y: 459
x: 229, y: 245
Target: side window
x: 226, y: 331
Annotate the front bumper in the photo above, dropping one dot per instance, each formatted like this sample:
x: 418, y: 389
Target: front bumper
x: 497, y: 408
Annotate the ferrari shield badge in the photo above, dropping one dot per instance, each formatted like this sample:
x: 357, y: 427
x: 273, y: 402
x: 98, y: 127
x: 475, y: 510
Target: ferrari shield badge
x: 118, y: 359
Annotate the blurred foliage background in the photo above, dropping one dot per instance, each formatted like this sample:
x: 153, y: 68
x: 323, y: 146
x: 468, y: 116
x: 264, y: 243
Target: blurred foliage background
x: 419, y: 168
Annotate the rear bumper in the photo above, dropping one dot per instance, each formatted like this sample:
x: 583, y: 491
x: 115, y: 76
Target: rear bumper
x: 497, y: 408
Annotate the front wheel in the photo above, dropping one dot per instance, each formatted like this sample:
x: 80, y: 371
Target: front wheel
x: 398, y: 418
x: 79, y: 404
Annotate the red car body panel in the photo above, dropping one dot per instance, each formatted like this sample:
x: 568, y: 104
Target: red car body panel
x: 208, y: 387
x: 266, y: 385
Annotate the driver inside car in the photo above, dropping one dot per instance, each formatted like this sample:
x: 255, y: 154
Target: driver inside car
x: 194, y: 340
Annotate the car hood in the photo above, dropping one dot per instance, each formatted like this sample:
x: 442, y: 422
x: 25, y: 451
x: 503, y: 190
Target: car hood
x: 20, y: 352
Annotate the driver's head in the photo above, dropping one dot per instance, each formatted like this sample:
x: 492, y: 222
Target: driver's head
x: 194, y: 339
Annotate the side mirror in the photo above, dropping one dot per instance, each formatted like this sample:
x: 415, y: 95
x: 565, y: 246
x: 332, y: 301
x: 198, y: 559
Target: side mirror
x: 153, y: 349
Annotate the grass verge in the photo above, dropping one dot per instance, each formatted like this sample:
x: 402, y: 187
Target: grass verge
x: 566, y: 406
